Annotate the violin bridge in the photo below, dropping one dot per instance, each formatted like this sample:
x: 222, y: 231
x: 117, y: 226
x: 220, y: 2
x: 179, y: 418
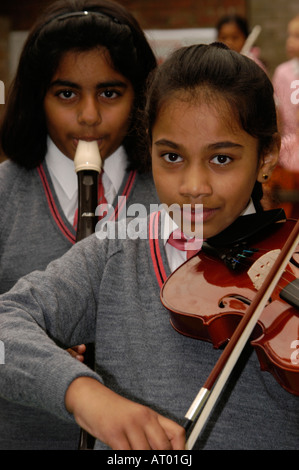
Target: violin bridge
x: 261, y: 267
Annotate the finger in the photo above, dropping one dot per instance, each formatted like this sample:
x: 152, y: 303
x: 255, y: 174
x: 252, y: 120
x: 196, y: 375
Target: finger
x: 119, y: 442
x: 71, y: 352
x: 76, y: 352
x: 79, y: 357
x: 144, y: 434
x: 80, y: 348
x: 138, y: 439
x: 156, y: 436
x: 175, y: 433
x: 159, y: 440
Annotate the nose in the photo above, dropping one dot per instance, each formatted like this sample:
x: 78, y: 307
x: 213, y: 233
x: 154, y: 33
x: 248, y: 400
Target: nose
x: 89, y: 112
x: 195, y: 183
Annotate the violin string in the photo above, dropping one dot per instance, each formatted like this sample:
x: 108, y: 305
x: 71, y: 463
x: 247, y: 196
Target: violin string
x: 287, y: 280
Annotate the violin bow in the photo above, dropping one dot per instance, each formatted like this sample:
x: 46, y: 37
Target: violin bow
x: 210, y: 392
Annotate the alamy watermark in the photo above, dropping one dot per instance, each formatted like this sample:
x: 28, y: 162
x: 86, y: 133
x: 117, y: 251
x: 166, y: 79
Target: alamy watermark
x: 189, y: 220
x: 295, y: 94
x: 295, y: 353
x: 2, y: 92
x: 2, y: 353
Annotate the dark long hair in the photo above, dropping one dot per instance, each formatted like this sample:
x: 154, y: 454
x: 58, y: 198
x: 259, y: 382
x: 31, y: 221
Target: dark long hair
x: 24, y: 131
x: 218, y: 72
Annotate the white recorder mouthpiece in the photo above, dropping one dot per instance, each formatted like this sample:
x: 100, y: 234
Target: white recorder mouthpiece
x: 87, y: 156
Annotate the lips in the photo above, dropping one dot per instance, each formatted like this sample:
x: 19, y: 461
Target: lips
x: 198, y: 214
x: 87, y: 139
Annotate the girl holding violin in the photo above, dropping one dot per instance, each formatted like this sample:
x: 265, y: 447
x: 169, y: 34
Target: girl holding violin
x: 213, y: 137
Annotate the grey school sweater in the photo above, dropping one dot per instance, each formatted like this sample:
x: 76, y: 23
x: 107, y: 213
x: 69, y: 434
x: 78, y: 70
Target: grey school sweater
x: 33, y: 232
x: 108, y: 291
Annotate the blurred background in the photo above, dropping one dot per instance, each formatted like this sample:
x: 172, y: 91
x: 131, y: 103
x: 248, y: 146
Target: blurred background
x: 17, y: 16
x: 169, y: 24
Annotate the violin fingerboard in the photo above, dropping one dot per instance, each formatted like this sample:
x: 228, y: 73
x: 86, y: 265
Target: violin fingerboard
x: 290, y: 293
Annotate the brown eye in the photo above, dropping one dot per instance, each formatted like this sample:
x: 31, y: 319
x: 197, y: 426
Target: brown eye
x: 110, y: 94
x: 221, y: 159
x: 65, y: 94
x: 172, y: 157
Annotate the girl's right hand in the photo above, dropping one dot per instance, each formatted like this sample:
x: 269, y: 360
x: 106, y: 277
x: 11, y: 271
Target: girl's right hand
x: 119, y: 422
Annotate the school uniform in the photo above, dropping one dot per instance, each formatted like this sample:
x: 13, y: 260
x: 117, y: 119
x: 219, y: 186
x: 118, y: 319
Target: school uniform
x: 115, y: 285
x: 37, y: 210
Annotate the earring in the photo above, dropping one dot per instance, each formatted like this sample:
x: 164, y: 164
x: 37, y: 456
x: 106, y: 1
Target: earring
x: 265, y: 177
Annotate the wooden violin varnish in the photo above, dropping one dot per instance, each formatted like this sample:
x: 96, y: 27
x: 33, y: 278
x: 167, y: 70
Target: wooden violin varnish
x: 208, y: 299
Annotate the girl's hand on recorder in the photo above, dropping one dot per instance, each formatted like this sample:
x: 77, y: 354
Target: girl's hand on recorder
x: 77, y: 352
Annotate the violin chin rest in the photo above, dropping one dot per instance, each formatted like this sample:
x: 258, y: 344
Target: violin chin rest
x: 247, y: 226
x: 290, y: 294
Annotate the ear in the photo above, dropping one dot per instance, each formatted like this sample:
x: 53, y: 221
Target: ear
x: 269, y: 160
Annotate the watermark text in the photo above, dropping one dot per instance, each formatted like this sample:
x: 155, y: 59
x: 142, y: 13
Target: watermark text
x: 2, y: 353
x: 189, y: 220
x: 295, y: 353
x: 295, y: 93
x: 2, y: 92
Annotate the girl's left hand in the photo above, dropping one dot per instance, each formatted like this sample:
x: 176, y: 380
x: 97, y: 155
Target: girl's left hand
x: 77, y: 352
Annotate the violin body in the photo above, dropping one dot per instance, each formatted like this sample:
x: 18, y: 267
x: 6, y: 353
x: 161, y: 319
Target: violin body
x: 206, y: 300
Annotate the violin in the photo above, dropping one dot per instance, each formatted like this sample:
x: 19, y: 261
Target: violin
x: 226, y: 285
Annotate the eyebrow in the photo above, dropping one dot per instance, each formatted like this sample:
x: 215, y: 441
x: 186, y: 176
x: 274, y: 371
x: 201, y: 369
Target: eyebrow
x: 70, y: 84
x: 225, y: 144
x: 169, y: 143
x: 214, y: 146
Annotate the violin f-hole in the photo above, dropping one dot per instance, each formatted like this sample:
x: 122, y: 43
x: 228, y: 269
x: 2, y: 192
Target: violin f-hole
x: 236, y: 301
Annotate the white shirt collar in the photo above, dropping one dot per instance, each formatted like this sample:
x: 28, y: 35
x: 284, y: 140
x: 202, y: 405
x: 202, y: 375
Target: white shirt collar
x: 65, y: 180
x: 61, y: 169
x: 115, y: 167
x: 250, y: 209
x: 168, y: 225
